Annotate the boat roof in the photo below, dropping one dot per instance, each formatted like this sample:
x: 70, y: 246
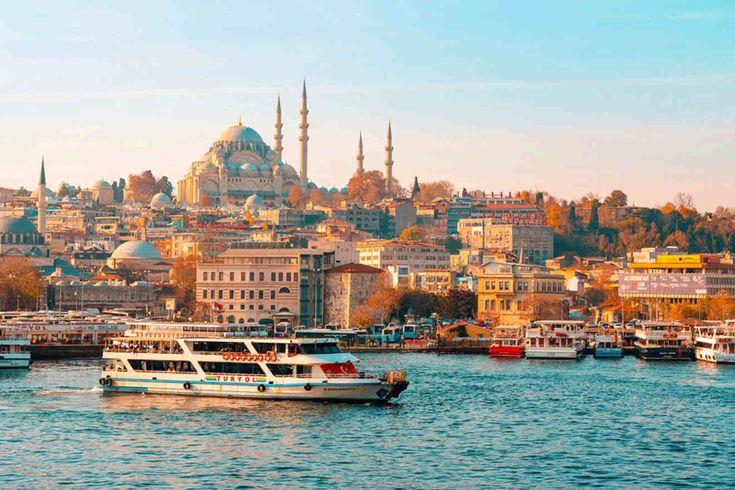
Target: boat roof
x: 240, y: 339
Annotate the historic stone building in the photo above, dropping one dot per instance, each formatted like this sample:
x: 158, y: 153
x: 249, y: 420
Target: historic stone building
x: 240, y: 164
x: 346, y: 288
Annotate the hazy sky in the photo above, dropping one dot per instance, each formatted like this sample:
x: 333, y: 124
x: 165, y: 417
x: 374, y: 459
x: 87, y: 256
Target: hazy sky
x: 566, y: 96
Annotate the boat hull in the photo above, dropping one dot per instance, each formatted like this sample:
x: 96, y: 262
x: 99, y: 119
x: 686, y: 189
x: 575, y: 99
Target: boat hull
x: 553, y: 353
x: 711, y: 355
x: 608, y: 352
x: 507, y: 351
x: 663, y: 353
x: 15, y: 361
x: 374, y: 392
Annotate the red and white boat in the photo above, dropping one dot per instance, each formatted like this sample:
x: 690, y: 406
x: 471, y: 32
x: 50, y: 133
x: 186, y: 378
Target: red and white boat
x: 508, y: 342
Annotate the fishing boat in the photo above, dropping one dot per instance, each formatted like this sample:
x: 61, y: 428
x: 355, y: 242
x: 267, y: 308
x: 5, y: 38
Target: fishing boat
x: 557, y: 339
x: 508, y: 342
x: 14, y: 353
x: 222, y: 360
x: 608, y: 344
x: 715, y: 343
x: 668, y: 341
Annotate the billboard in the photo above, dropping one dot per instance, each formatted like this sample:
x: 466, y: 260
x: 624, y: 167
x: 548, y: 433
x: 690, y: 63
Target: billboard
x: 633, y: 284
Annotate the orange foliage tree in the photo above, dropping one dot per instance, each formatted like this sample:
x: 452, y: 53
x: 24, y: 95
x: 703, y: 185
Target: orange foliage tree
x: 432, y: 190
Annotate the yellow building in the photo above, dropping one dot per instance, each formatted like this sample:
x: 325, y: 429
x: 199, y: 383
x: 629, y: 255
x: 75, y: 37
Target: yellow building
x: 515, y: 294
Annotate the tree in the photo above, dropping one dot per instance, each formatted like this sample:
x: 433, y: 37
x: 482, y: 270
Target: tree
x: 121, y: 190
x: 143, y: 187
x: 458, y: 304
x: 319, y: 197
x: 183, y: 277
x: 432, y: 190
x: 617, y: 198
x: 594, y: 223
x: 296, y: 197
x: 205, y: 201
x: 165, y: 186
x: 594, y: 296
x: 453, y: 244
x: 418, y: 303
x: 20, y: 284
x: 384, y: 302
x: 66, y: 190
x: 538, y: 307
x: 720, y: 306
x: 367, y: 187
x: 413, y: 234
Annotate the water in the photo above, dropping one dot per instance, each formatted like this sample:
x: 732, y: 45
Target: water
x: 465, y: 422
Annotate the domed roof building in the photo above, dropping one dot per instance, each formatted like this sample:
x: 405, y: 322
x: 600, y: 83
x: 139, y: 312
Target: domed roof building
x: 139, y: 259
x: 254, y: 203
x: 160, y: 202
x: 102, y: 192
x: 19, y: 236
x: 50, y: 195
x: 239, y: 164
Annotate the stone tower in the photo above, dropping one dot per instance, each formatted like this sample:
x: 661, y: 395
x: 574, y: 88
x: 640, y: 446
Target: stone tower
x: 303, y: 139
x: 360, y: 156
x: 41, y: 202
x: 389, y: 161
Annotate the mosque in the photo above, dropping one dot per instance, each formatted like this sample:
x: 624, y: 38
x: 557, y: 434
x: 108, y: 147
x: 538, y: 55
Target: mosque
x: 241, y: 166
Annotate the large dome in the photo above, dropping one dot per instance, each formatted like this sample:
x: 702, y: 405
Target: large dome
x: 160, y: 201
x: 240, y: 133
x: 101, y: 184
x: 136, y: 249
x: 15, y: 224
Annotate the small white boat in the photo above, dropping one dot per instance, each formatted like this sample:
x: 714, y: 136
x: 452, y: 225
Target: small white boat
x: 715, y: 343
x: 223, y: 360
x: 14, y: 349
x: 558, y: 339
x: 608, y: 345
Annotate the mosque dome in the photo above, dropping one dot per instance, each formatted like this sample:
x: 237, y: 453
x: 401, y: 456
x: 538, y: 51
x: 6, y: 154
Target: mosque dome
x: 288, y: 169
x: 101, y: 184
x: 240, y: 133
x: 136, y: 250
x: 160, y: 201
x: 16, y: 224
x: 254, y: 202
x: 250, y: 167
x: 264, y: 168
x: 49, y: 194
x: 333, y: 190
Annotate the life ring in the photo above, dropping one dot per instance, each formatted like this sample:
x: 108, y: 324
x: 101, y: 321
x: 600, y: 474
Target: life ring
x: 187, y: 385
x: 261, y: 388
x: 307, y: 387
x: 103, y: 381
x: 225, y: 357
x: 108, y: 381
x: 261, y: 358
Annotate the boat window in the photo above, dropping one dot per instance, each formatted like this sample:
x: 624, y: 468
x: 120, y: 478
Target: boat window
x: 264, y: 347
x: 162, y: 366
x: 281, y: 369
x: 303, y: 370
x: 218, y: 347
x: 330, y: 348
x: 232, y: 367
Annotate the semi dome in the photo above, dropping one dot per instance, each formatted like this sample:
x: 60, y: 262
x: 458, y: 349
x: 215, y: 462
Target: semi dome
x: 136, y: 250
x: 16, y: 224
x: 240, y: 133
x: 254, y: 202
x: 250, y: 167
x: 160, y: 201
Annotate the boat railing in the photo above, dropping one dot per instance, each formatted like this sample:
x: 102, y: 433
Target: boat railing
x: 359, y: 375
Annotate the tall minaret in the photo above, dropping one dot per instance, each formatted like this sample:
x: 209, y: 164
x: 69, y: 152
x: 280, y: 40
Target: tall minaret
x: 41, y: 203
x: 278, y: 147
x: 303, y: 138
x: 360, y: 156
x: 388, y: 161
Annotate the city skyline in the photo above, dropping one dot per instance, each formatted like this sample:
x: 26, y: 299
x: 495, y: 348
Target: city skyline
x: 583, y: 98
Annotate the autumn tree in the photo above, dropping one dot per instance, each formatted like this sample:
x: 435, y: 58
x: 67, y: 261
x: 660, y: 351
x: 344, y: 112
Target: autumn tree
x: 367, y: 187
x: 296, y: 197
x: 458, y: 304
x: 384, y: 302
x: 143, y: 187
x: 413, y: 234
x: 617, y: 198
x: 20, y: 284
x: 183, y: 277
x: 432, y: 190
x: 204, y: 200
x: 720, y: 306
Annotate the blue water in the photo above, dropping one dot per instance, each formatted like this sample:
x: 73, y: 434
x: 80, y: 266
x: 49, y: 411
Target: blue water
x: 465, y: 422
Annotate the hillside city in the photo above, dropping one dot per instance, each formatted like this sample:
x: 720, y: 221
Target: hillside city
x: 244, y: 237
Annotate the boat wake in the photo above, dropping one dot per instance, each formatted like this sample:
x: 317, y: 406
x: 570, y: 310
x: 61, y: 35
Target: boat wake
x: 67, y: 391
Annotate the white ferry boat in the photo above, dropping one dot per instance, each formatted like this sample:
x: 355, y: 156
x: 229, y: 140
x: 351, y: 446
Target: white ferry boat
x: 14, y: 353
x: 608, y: 345
x: 715, y: 343
x: 558, y: 339
x: 221, y: 360
x: 668, y: 341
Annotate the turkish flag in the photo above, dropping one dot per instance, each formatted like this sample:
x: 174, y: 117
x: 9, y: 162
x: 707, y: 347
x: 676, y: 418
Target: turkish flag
x: 339, y: 368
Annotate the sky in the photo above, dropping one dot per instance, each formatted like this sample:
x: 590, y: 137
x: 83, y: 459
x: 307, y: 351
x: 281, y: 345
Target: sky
x: 570, y: 97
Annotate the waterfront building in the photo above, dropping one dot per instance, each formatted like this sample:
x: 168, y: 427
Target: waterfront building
x: 676, y: 279
x: 347, y: 287
x: 434, y: 281
x: 138, y: 297
x: 260, y: 281
x: 401, y: 258
x: 514, y: 294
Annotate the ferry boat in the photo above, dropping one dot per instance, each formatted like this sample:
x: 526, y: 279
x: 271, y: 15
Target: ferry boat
x: 715, y: 343
x: 508, y: 342
x: 221, y: 360
x: 608, y: 345
x: 14, y: 353
x: 557, y: 339
x: 662, y: 341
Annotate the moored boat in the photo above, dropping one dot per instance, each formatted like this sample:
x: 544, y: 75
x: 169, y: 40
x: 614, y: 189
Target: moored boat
x: 220, y: 360
x: 558, y: 339
x: 508, y: 342
x: 715, y: 343
x: 608, y: 345
x: 14, y: 353
x: 668, y: 341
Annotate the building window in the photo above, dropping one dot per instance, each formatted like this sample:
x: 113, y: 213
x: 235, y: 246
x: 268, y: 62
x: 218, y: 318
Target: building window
x: 295, y: 276
x: 220, y: 276
x: 205, y: 276
x: 220, y: 294
x: 252, y: 294
x: 261, y: 276
x: 232, y: 294
x: 260, y: 294
x: 273, y: 276
x: 288, y: 276
x: 280, y: 276
x: 260, y: 307
x: 204, y: 294
x: 242, y: 278
x: 232, y: 276
x: 242, y: 294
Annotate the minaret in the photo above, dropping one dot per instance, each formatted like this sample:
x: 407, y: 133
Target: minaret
x: 303, y: 138
x: 278, y: 147
x: 41, y: 203
x: 389, y: 161
x: 360, y: 156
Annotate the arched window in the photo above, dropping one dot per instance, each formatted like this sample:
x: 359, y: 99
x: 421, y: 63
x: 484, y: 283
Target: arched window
x: 241, y: 320
x: 220, y: 318
x: 284, y: 290
x: 283, y: 310
x: 231, y: 319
